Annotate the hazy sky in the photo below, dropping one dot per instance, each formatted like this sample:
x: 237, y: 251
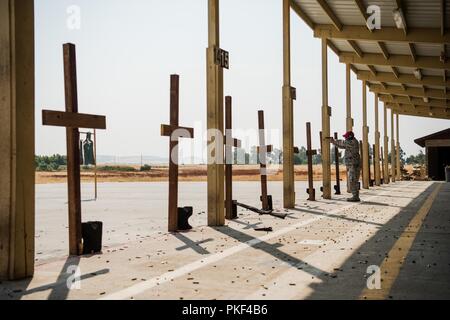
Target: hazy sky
x: 126, y: 51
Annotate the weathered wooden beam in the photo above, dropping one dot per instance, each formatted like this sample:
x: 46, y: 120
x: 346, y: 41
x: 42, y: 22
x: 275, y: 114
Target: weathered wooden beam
x: 182, y: 132
x: 386, y: 34
x: 288, y: 114
x: 215, y: 119
x: 386, y: 147
x: 439, y: 103
x: 412, y: 51
x: 326, y: 114
x: 73, y: 120
x: 356, y: 48
x: 433, y: 115
x: 414, y: 92
x: 331, y: 15
x: 384, y: 50
x: 348, y: 80
x: 402, y: 78
x: 395, y: 61
x: 393, y: 154
x: 17, y: 132
x: 365, y: 139
x: 302, y: 14
x: 377, y: 144
x: 372, y: 69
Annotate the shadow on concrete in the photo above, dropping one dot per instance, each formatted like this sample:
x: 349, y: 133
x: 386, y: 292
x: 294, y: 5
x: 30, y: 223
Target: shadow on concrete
x: 351, y: 279
x: 273, y: 250
x: 60, y: 288
x: 337, y: 216
x: 189, y: 244
x: 248, y: 226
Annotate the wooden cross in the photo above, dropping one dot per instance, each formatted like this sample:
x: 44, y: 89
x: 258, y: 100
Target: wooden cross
x: 73, y: 120
x: 230, y: 142
x: 310, y: 153
x: 175, y: 132
x: 263, y: 150
x: 337, y: 155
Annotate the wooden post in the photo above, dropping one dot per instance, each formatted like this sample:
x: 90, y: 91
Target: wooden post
x: 399, y: 170
x: 386, y: 148
x: 95, y: 164
x: 288, y: 113
x: 349, y: 119
x: 214, y: 88
x: 262, y: 151
x: 73, y: 151
x: 337, y: 187
x: 72, y: 120
x: 174, y: 131
x: 383, y: 172
x: 229, y: 144
x: 376, y: 154
x: 17, y: 127
x: 326, y: 113
x: 310, y: 152
x: 393, y: 176
x: 365, y: 149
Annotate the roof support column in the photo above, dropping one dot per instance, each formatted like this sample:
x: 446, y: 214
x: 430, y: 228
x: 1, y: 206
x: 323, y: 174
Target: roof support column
x: 386, y: 148
x: 399, y: 172
x: 376, y: 165
x: 288, y: 113
x: 326, y: 113
x: 17, y: 208
x: 392, y: 147
x: 365, y: 139
x: 215, y: 119
x: 349, y: 121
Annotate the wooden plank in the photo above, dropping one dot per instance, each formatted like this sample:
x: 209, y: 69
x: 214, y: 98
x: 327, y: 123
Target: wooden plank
x: 365, y: 139
x: 73, y: 120
x: 331, y: 15
x: 377, y: 59
x: 377, y: 168
x: 393, y: 154
x: 386, y: 34
x: 229, y: 214
x: 398, y: 160
x: 310, y: 152
x: 173, y: 158
x: 402, y: 78
x: 349, y: 119
x: 386, y: 147
x: 214, y: 89
x: 438, y: 143
x: 302, y: 14
x: 181, y: 132
x: 73, y: 151
x: 326, y: 152
x: 413, y: 92
x: 288, y: 114
x: 17, y: 127
x: 263, y: 161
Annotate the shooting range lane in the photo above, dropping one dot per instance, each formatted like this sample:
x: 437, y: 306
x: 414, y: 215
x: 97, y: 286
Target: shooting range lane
x: 320, y: 247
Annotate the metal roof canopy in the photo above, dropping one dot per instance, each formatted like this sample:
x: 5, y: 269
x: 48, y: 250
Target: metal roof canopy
x: 406, y: 66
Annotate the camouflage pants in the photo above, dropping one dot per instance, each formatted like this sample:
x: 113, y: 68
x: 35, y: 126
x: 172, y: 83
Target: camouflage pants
x: 353, y: 178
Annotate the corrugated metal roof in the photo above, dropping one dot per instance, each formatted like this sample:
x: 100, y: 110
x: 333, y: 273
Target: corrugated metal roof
x: 418, y: 14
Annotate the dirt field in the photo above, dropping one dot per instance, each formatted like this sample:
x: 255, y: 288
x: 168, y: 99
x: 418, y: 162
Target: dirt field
x: 187, y: 173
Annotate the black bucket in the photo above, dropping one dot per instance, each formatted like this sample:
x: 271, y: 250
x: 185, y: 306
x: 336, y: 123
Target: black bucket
x: 92, y: 237
x: 183, y: 218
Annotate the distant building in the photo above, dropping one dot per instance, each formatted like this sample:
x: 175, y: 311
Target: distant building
x: 437, y: 150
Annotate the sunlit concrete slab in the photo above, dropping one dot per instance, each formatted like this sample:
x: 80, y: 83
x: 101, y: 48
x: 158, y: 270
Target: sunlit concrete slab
x: 322, y: 250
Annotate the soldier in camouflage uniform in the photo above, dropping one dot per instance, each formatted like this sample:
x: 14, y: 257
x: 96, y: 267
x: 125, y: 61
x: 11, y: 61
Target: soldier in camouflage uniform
x: 352, y: 161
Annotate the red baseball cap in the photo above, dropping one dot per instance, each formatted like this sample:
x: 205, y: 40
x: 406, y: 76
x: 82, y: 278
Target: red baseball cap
x: 348, y: 134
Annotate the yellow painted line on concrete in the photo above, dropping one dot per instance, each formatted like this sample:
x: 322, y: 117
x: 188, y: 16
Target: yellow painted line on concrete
x: 396, y: 256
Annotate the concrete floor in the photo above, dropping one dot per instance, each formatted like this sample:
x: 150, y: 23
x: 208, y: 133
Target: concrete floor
x: 322, y: 250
